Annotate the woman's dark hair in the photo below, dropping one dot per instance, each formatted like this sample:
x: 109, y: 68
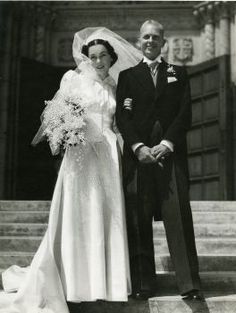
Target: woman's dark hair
x: 106, y: 44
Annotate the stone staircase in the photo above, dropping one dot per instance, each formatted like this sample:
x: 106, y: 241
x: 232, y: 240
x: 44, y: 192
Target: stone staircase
x: 22, y: 226
x: 215, y: 231
x: 23, y: 223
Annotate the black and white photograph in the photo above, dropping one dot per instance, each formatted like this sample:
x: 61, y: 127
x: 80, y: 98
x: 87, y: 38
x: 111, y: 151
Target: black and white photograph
x: 117, y: 156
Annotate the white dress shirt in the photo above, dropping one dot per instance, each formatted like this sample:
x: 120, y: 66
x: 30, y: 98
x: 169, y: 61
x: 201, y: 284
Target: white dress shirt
x: 149, y: 62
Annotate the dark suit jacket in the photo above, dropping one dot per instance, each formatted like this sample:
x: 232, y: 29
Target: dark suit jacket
x: 168, y: 103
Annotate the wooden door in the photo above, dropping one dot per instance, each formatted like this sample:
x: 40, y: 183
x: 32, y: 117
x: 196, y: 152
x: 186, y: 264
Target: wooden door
x: 32, y: 170
x: 210, y: 143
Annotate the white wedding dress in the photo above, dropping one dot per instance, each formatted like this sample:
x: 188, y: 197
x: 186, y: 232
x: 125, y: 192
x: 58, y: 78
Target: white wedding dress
x: 83, y: 255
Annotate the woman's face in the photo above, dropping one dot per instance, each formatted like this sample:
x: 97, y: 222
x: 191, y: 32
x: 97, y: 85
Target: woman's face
x: 101, y: 59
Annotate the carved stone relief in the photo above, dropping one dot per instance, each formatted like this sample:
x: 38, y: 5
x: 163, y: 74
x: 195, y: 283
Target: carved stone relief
x: 183, y: 50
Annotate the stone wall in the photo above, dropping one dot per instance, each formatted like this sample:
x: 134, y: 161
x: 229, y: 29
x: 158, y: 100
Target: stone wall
x: 125, y: 18
x: 195, y: 31
x: 217, y: 20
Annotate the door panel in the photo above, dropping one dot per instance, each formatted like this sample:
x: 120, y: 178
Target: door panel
x: 209, y: 140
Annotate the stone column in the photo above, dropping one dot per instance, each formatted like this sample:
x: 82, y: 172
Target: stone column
x: 25, y: 45
x: 43, y: 22
x: 40, y: 34
x: 31, y: 23
x: 50, y: 17
x: 39, y: 43
x: 233, y: 80
x: 10, y: 48
x: 12, y: 101
x: 205, y: 14
x: 5, y: 28
x: 222, y: 11
x: 209, y: 31
x: 233, y: 42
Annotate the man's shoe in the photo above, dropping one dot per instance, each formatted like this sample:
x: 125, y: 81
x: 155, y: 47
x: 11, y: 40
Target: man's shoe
x: 193, y: 295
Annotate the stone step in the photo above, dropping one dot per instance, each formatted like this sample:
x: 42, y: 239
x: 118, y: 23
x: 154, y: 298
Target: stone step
x: 215, y: 245
x: 202, y: 230
x: 163, y: 304
x: 131, y: 306
x: 204, y: 245
x: 211, y: 281
x: 213, y: 206
x: 21, y: 205
x: 217, y: 282
x: 22, y: 229
x: 220, y: 218
x: 39, y: 205
x: 24, y: 216
x: 15, y: 258
x: 207, y: 263
x: 211, y: 304
x: 13, y: 243
x: 199, y: 217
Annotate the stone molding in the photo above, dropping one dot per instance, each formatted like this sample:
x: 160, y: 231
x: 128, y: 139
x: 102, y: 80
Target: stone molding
x: 182, y: 50
x: 211, y: 11
x: 34, y: 20
x: 74, y: 16
x: 64, y: 50
x: 125, y: 19
x: 214, y: 17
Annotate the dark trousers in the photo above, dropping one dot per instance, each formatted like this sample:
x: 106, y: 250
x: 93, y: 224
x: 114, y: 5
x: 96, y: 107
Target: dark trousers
x: 155, y: 192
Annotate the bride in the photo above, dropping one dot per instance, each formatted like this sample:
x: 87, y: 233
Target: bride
x: 83, y: 255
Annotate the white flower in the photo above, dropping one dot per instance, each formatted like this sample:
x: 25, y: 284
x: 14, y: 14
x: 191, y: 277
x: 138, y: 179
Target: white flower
x: 64, y: 118
x: 171, y: 70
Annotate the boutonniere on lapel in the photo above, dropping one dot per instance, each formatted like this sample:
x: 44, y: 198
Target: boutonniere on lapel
x: 171, y: 74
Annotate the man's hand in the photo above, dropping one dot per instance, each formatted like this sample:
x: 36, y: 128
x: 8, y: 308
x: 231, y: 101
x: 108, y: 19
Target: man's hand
x: 160, y: 151
x: 144, y: 155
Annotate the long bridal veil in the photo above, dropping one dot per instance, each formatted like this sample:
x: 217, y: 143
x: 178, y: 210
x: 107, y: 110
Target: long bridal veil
x: 128, y: 56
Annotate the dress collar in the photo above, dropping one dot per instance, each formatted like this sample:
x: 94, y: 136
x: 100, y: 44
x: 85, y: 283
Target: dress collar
x: 108, y: 81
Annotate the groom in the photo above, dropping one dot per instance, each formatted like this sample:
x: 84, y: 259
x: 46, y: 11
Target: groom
x: 153, y: 116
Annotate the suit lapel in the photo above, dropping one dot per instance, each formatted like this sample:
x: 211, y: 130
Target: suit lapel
x: 142, y: 74
x: 161, y: 79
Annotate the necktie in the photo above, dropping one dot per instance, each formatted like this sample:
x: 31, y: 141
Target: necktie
x: 153, y: 67
x: 153, y: 70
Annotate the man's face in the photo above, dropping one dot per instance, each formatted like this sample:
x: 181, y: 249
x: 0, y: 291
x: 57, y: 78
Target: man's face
x: 151, y: 41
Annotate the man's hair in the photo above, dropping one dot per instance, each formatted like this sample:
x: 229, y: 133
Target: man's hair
x: 155, y: 23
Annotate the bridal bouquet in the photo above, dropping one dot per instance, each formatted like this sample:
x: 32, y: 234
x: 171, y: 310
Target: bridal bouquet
x: 64, y: 118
